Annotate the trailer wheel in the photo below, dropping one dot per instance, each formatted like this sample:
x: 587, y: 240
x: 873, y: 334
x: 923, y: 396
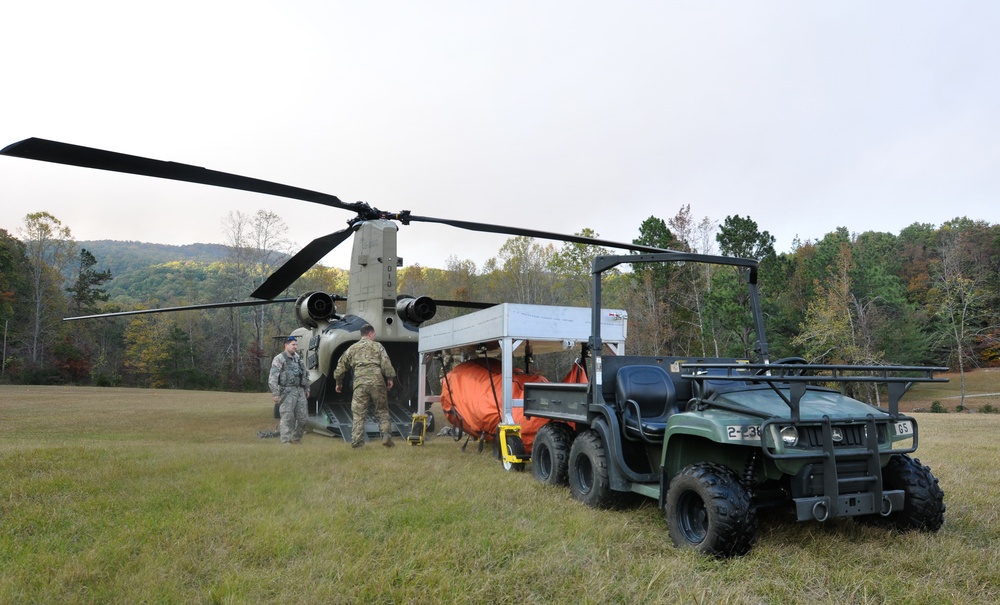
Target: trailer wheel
x: 710, y: 511
x: 550, y: 454
x: 588, y: 471
x: 516, y: 447
x: 923, y: 505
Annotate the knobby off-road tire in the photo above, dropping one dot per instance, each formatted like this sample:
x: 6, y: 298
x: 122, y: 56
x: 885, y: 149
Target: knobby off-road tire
x: 710, y: 511
x: 923, y: 504
x: 588, y: 471
x: 550, y: 454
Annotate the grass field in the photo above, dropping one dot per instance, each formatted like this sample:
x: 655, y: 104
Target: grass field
x: 143, y: 496
x: 982, y: 388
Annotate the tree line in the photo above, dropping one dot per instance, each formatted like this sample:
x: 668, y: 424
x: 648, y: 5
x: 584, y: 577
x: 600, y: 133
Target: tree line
x: 927, y: 295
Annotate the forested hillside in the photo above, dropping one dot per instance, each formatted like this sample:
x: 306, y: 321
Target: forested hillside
x: 927, y: 295
x: 121, y: 257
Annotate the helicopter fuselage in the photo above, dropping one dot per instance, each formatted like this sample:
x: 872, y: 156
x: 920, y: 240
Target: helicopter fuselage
x: 371, y: 298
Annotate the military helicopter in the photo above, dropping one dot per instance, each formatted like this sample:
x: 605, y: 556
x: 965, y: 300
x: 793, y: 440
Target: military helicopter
x: 371, y: 298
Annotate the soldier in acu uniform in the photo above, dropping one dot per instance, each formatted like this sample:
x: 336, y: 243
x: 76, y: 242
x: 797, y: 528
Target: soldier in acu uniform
x: 288, y: 382
x: 372, y: 372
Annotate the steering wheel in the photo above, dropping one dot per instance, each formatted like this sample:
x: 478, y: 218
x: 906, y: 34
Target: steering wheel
x: 787, y: 361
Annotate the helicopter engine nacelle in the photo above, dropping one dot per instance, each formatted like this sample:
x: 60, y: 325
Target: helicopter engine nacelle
x: 416, y: 310
x: 313, y: 307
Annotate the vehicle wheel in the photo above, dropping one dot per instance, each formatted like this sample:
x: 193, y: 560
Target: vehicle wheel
x: 588, y: 471
x: 516, y: 447
x: 710, y: 511
x: 550, y: 454
x: 923, y: 504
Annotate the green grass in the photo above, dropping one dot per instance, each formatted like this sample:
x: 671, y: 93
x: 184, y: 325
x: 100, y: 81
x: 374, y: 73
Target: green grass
x: 141, y: 496
x: 982, y: 388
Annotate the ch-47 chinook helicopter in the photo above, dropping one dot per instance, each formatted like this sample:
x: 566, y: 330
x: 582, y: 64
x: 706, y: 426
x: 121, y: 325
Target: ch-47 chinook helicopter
x: 372, y: 292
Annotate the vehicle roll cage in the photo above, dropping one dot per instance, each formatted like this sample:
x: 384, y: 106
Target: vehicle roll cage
x: 798, y: 376
x: 604, y: 263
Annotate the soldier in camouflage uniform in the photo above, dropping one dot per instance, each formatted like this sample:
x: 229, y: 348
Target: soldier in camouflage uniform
x: 372, y: 372
x: 288, y: 381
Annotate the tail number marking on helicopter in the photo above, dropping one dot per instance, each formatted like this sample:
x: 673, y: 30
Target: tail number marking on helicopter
x: 749, y: 432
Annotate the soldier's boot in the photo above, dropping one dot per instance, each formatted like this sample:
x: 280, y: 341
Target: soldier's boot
x: 387, y: 440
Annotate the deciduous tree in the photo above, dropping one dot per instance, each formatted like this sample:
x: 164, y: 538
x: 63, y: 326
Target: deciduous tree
x: 647, y: 293
x: 520, y: 272
x: 49, y: 246
x: 257, y: 246
x: 572, y: 265
x: 147, y: 349
x: 15, y: 307
x: 958, y: 295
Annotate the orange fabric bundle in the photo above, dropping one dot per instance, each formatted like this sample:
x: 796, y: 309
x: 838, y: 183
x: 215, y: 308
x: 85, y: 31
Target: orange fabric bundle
x: 468, y: 400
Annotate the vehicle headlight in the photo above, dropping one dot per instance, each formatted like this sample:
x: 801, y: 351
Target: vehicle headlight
x: 789, y: 436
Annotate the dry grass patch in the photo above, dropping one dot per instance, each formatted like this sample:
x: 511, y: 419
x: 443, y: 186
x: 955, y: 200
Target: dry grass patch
x: 982, y: 388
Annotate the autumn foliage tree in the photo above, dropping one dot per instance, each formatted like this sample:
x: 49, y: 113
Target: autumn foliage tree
x: 520, y: 272
x: 147, y: 350
x: 929, y: 295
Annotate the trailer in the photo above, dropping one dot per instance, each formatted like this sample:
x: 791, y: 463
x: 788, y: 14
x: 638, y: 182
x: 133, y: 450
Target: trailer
x: 511, y: 332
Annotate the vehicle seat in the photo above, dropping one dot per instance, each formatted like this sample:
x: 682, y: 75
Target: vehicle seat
x: 708, y: 388
x: 646, y: 398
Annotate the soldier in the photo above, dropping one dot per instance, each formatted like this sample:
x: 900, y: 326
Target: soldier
x: 372, y: 372
x: 288, y: 382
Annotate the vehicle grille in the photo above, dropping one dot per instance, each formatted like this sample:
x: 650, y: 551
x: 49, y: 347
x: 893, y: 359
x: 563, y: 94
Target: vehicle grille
x: 854, y: 435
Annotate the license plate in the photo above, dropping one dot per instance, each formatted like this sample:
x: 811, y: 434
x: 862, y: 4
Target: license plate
x: 904, y: 427
x: 743, y: 433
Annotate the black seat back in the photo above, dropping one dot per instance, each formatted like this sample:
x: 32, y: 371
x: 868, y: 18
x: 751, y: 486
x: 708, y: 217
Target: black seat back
x: 650, y: 387
x: 710, y: 387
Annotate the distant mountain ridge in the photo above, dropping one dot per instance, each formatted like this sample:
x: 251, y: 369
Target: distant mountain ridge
x: 123, y: 257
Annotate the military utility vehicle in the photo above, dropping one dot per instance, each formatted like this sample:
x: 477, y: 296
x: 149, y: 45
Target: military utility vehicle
x: 716, y: 440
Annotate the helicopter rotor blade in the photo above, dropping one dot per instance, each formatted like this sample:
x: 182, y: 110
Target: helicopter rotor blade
x: 302, y: 261
x: 223, y: 305
x: 88, y: 157
x: 518, y: 231
x: 464, y: 304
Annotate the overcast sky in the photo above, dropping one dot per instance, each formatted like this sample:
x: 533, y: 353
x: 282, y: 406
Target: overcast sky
x: 803, y: 115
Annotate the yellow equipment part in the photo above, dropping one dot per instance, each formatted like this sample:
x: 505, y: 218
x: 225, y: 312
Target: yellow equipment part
x: 417, y: 434
x: 505, y: 431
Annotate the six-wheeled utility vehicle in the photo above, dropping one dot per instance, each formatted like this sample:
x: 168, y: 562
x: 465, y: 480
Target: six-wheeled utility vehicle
x: 716, y: 440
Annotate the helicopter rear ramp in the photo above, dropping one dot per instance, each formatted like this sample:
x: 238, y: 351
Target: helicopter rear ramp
x: 337, y: 420
x: 330, y: 412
